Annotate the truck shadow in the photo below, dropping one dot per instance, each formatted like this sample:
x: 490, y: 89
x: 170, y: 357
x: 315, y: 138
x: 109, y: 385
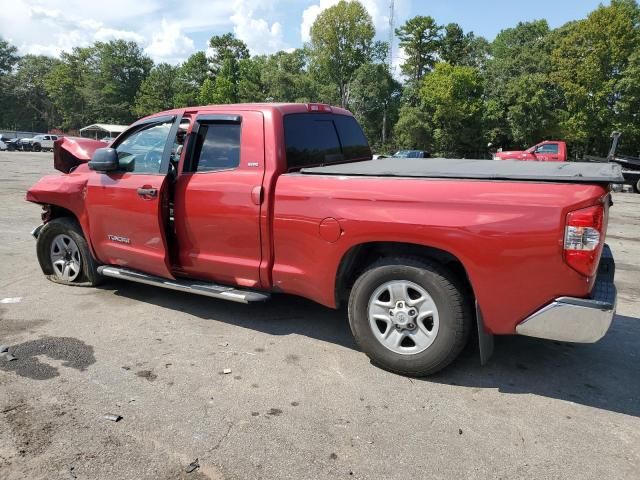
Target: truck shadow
x: 282, y: 315
x: 604, y: 375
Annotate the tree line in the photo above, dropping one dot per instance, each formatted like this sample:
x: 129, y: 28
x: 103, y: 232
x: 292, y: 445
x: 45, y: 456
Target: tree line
x: 459, y: 92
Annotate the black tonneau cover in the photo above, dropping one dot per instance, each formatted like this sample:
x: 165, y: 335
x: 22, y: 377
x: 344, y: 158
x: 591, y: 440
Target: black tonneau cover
x: 579, y: 172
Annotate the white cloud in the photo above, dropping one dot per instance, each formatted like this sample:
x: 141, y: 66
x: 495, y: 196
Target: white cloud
x: 104, y: 34
x: 168, y: 30
x: 169, y: 43
x: 260, y: 36
x: 44, y: 29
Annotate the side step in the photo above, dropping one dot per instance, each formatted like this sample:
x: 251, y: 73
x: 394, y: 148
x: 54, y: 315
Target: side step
x: 189, y: 286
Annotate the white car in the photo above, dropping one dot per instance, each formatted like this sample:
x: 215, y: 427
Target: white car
x: 3, y: 146
x: 43, y: 142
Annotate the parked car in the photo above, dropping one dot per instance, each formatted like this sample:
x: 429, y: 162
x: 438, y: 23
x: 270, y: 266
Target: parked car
x: 547, y: 151
x: 411, y: 154
x: 26, y: 144
x: 13, y: 144
x: 107, y: 139
x: 283, y: 198
x: 43, y: 142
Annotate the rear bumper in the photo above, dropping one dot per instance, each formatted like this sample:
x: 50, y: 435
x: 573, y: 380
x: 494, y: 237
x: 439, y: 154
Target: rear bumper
x: 580, y: 320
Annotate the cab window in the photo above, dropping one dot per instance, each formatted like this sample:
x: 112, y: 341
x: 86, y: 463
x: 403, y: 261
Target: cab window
x: 314, y: 139
x: 548, y: 148
x: 146, y: 145
x: 217, y: 147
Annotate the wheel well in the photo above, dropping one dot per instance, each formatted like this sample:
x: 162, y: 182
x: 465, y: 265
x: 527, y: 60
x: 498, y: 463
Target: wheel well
x: 55, y: 211
x: 358, y: 258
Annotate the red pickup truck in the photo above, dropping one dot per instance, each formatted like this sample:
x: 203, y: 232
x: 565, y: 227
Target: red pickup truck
x: 547, y: 151
x: 237, y: 202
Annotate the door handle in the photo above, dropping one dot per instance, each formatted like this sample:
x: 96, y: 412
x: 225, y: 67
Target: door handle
x: 256, y: 195
x: 147, y: 192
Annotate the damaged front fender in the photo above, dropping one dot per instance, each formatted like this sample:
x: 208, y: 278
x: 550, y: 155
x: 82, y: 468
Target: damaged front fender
x: 70, y: 152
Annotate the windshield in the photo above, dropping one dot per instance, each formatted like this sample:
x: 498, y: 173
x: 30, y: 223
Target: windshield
x: 407, y: 154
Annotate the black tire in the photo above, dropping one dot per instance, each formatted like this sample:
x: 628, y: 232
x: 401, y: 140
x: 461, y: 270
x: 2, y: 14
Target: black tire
x: 88, y: 275
x: 636, y: 186
x: 455, y: 315
x: 37, y: 147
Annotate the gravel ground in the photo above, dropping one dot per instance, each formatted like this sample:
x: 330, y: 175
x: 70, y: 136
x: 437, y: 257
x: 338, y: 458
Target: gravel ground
x: 301, y: 402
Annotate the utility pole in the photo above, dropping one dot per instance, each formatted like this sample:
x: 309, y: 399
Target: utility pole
x: 391, y: 35
x: 389, y: 65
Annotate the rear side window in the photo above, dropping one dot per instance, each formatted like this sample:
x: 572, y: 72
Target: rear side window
x: 320, y: 139
x: 218, y: 147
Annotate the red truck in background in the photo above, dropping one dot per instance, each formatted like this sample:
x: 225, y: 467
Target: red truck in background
x: 237, y: 202
x: 547, y: 151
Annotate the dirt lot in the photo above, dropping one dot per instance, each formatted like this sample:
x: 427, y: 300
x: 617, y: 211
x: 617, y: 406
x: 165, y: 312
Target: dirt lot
x: 301, y: 401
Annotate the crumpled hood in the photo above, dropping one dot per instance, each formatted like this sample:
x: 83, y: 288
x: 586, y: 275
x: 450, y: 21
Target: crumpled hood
x: 69, y: 152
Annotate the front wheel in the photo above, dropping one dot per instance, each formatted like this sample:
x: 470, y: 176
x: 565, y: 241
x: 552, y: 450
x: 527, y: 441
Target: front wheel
x: 37, y: 147
x: 636, y: 186
x: 409, y: 315
x: 64, y: 255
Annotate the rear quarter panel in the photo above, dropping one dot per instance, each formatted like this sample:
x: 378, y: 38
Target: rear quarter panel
x: 508, y: 235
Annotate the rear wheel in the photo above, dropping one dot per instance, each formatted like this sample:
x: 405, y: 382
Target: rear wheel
x: 409, y: 316
x: 64, y: 254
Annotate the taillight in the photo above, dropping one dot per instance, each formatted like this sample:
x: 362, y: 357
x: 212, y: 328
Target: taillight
x: 583, y: 239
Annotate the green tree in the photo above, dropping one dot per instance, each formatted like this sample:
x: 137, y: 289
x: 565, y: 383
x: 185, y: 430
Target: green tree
x: 420, y: 40
x: 412, y: 130
x: 8, y: 57
x: 593, y: 64
x: 521, y: 99
x: 189, y: 79
x: 341, y: 42
x: 65, y: 85
x: 285, y: 77
x: 227, y: 56
x: 118, y: 70
x: 250, y: 86
x: 374, y: 100
x: 458, y: 48
x: 226, y: 47
x: 8, y: 60
x: 37, y: 111
x: 157, y: 91
x: 627, y: 91
x: 207, y: 94
x: 452, y: 99
x: 98, y: 83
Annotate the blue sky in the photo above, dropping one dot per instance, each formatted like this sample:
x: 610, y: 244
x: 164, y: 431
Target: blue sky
x: 171, y: 30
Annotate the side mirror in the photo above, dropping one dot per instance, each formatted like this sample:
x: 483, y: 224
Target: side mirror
x: 104, y: 160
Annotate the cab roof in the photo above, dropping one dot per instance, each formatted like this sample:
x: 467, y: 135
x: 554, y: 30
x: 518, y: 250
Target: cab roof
x: 282, y: 108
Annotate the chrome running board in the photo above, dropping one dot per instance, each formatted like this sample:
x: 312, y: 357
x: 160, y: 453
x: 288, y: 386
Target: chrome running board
x: 189, y: 286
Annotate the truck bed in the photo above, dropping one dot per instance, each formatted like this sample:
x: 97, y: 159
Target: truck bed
x: 566, y: 172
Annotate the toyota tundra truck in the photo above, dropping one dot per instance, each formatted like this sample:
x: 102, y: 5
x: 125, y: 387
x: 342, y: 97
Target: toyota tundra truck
x: 240, y: 202
x: 547, y: 151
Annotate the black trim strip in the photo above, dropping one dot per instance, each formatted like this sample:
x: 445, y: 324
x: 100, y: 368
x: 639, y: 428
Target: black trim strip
x: 166, y: 153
